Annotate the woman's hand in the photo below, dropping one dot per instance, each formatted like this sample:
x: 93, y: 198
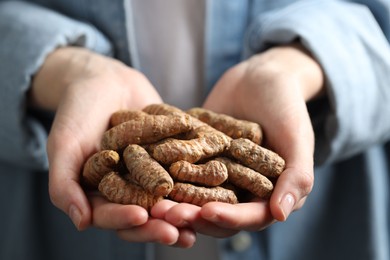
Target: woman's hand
x: 270, y: 88
x: 84, y: 89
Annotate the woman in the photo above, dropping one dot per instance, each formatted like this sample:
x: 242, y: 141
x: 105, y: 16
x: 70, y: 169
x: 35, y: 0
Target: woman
x: 302, y: 69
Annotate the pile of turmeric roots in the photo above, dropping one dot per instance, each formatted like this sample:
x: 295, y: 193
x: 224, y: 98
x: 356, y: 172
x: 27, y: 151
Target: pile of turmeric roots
x: 193, y: 156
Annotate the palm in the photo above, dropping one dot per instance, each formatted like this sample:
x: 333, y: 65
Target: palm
x: 275, y: 100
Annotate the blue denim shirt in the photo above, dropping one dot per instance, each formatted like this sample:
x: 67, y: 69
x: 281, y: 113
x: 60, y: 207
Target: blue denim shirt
x: 345, y: 217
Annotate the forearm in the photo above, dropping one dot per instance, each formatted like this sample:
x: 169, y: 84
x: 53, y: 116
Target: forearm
x: 61, y: 68
x: 295, y: 62
x: 29, y: 34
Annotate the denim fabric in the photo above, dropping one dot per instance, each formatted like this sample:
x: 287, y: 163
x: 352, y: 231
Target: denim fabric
x: 224, y: 36
x: 107, y: 16
x: 29, y: 34
x: 322, y: 27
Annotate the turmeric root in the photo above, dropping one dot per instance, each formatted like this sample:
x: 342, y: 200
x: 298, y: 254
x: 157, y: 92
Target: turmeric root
x: 118, y: 190
x: 162, y: 109
x: 248, y: 179
x: 188, y: 193
x: 212, y: 173
x: 172, y: 150
x: 231, y: 126
x: 98, y: 165
x: 256, y: 157
x: 122, y: 116
x: 149, y: 129
x: 147, y: 172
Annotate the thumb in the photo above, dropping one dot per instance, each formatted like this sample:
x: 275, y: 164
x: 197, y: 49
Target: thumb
x: 291, y: 190
x: 65, y: 192
x: 296, y: 181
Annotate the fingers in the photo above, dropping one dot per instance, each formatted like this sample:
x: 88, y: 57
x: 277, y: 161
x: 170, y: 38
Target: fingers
x: 184, y: 215
x: 186, y: 239
x: 133, y: 223
x: 109, y: 215
x: 161, y: 208
x: 154, y: 230
x: 159, y: 231
x: 252, y: 216
x: 215, y: 218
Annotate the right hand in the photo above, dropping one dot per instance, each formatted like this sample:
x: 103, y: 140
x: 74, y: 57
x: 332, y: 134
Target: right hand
x: 84, y: 89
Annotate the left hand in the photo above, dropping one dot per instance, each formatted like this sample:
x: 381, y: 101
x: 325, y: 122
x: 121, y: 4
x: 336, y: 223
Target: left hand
x: 270, y: 88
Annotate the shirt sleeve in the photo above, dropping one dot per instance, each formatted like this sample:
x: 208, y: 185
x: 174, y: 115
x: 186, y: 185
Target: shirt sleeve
x: 349, y: 41
x: 28, y: 34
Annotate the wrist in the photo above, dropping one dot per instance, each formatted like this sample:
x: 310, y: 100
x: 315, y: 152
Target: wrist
x: 295, y: 63
x: 61, y: 68
x: 309, y: 71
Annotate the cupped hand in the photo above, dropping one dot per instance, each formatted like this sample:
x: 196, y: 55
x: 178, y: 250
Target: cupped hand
x: 84, y: 89
x: 132, y: 223
x: 187, y: 216
x: 215, y: 219
x: 270, y: 88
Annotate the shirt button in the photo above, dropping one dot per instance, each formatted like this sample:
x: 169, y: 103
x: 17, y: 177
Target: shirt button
x: 241, y: 241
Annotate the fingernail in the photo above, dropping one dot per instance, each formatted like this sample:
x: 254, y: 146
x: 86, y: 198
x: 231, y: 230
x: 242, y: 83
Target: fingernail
x: 182, y: 224
x: 211, y: 217
x: 287, y: 205
x: 75, y: 215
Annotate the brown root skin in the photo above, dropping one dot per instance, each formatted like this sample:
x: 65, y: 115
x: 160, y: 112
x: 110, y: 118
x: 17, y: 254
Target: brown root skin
x: 147, y: 172
x: 118, y: 190
x: 212, y: 173
x: 188, y: 193
x: 201, y: 129
x: 231, y: 126
x: 172, y: 150
x: 122, y: 116
x: 248, y: 179
x: 162, y: 109
x: 148, y: 129
x: 98, y: 165
x: 258, y: 158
